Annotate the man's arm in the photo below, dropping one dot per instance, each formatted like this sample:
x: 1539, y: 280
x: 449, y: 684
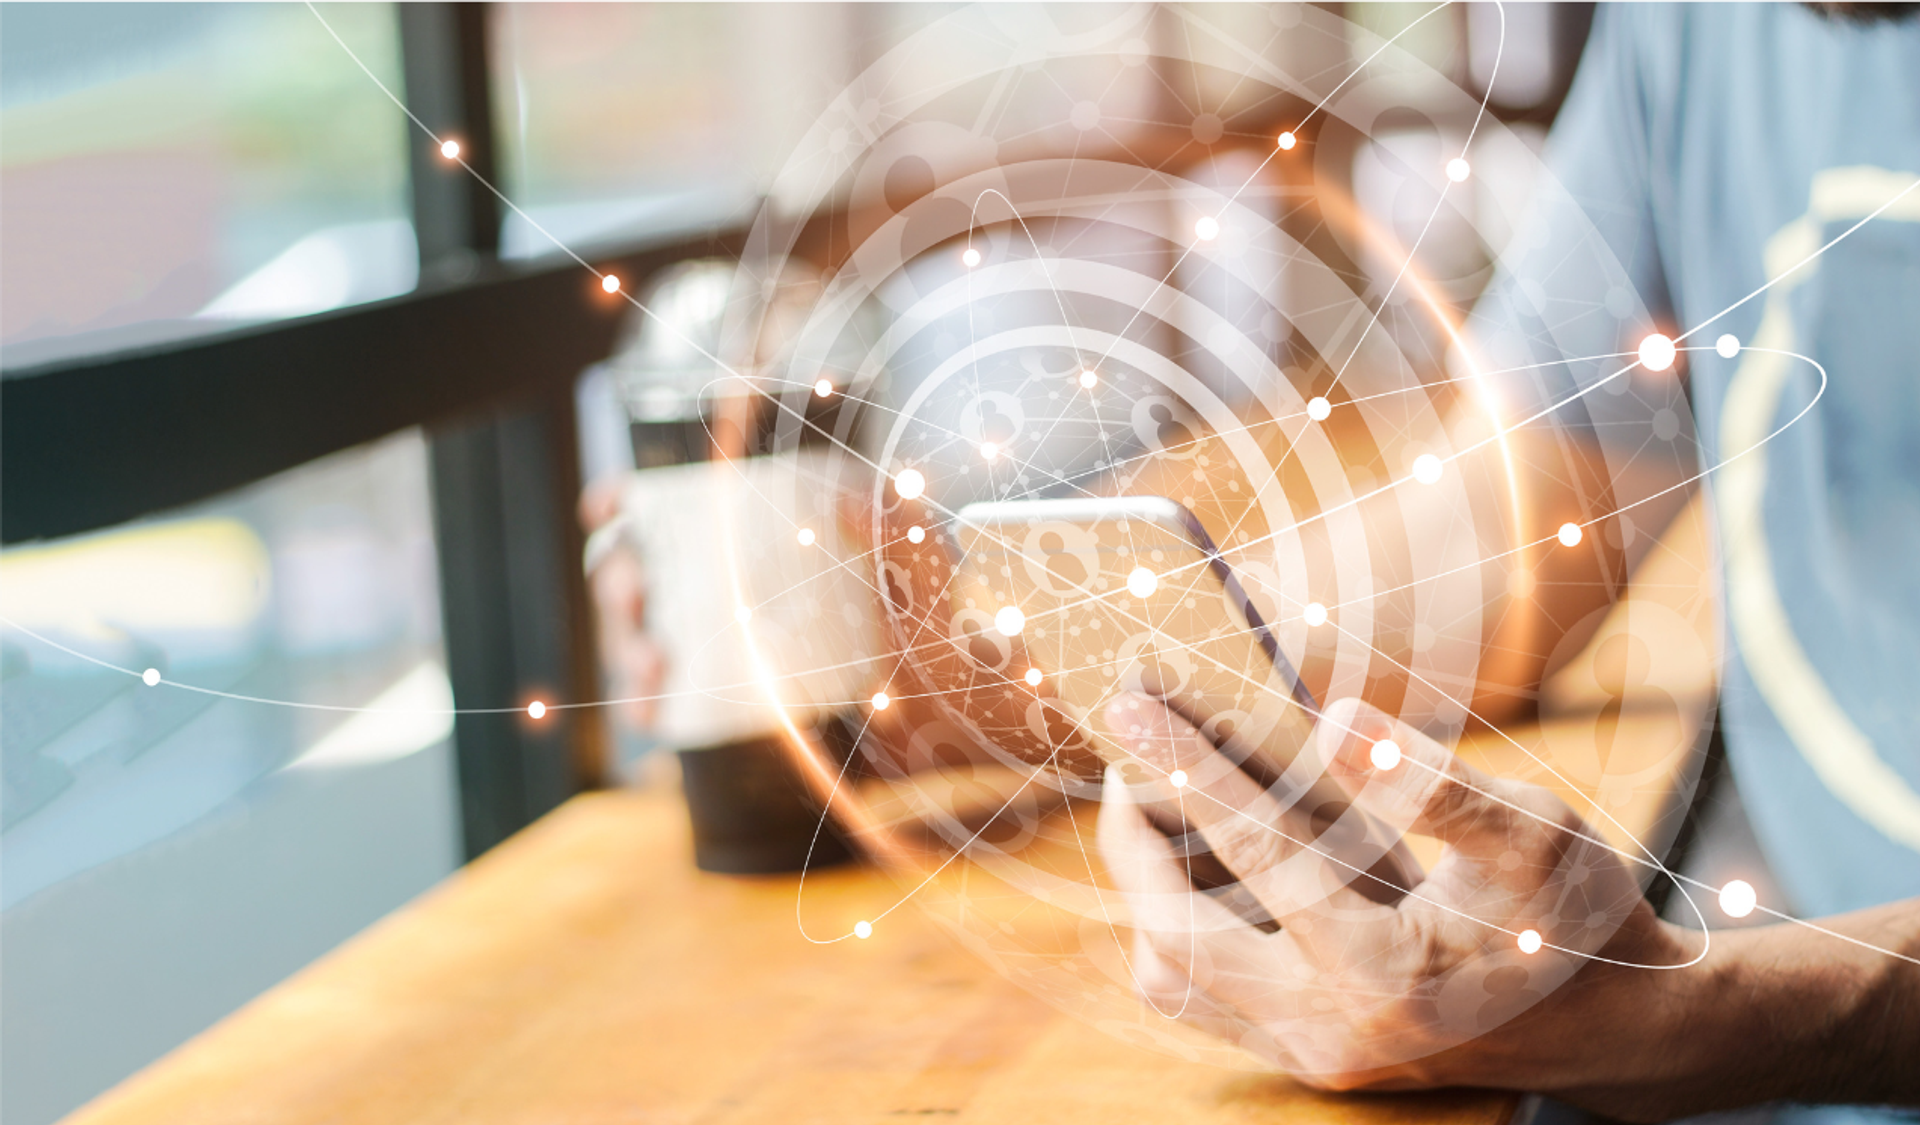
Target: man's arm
x: 1775, y: 1013
x: 1800, y: 1015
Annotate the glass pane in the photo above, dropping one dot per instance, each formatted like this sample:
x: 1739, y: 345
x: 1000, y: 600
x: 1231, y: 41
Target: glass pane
x: 168, y: 169
x: 618, y: 118
x: 168, y: 851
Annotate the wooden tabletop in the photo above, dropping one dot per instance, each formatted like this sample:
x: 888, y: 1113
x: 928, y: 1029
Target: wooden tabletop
x: 584, y: 972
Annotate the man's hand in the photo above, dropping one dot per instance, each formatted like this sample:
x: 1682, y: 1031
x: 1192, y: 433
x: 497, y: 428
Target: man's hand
x: 1497, y: 969
x: 632, y: 660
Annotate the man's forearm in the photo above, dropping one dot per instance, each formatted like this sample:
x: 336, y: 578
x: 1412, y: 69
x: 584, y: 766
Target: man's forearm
x: 1850, y: 1014
x: 1798, y: 1015
x: 1777, y: 1013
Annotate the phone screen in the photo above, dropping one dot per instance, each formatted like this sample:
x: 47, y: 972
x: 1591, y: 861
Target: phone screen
x: 1114, y: 594
x: 1127, y: 594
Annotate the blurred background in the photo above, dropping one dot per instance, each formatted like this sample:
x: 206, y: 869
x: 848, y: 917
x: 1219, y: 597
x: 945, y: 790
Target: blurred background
x: 294, y: 410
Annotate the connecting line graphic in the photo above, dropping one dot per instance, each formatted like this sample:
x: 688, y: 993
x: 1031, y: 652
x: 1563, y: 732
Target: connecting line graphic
x: 1520, y: 935
x: 1560, y: 535
x: 1208, y: 227
x: 611, y: 284
x: 1088, y: 377
x: 1318, y: 107
x: 1651, y: 861
x: 1087, y: 380
x: 840, y: 780
x: 1457, y: 172
x: 1597, y: 384
x: 1076, y: 480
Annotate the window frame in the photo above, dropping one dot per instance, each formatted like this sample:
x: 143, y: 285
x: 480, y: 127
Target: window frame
x: 482, y: 355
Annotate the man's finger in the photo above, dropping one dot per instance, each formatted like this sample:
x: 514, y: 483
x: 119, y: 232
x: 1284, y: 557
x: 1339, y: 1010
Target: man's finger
x: 1275, y: 852
x: 1263, y: 991
x: 1279, y: 1042
x: 1415, y: 784
x: 1172, y: 994
x: 1141, y: 862
x: 600, y: 500
x: 1185, y: 929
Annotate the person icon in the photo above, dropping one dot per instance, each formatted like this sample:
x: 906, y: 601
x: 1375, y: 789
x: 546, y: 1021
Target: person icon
x: 1163, y: 426
x: 1621, y: 666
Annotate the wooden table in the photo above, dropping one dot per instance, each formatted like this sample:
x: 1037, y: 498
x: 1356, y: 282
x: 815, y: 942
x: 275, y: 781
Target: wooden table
x: 584, y: 973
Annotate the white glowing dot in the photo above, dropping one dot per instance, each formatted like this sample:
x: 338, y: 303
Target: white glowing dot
x: 1088, y: 379
x: 1530, y: 941
x: 1426, y: 468
x: 537, y: 709
x: 824, y: 388
x: 909, y: 483
x: 1570, y: 535
x: 1142, y: 582
x: 449, y: 149
x: 989, y: 450
x: 881, y: 700
x: 1287, y: 140
x: 1458, y: 170
x: 863, y: 929
x: 916, y: 534
x: 610, y: 283
x: 1316, y: 614
x: 1318, y: 409
x: 1737, y: 898
x: 1385, y: 754
x: 1208, y: 228
x: 1010, y: 620
x: 151, y: 677
x: 806, y: 537
x: 743, y: 614
x: 1033, y: 677
x: 971, y: 257
x: 1728, y: 346
x: 1656, y: 352
x: 1179, y: 779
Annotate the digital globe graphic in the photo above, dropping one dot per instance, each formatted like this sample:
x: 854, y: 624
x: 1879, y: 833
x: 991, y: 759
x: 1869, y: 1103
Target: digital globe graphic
x: 956, y: 563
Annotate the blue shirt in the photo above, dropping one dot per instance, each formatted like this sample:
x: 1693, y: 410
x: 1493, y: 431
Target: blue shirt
x: 1703, y: 150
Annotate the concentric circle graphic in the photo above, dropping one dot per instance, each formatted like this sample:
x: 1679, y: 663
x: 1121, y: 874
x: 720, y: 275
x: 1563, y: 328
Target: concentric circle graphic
x: 1060, y: 327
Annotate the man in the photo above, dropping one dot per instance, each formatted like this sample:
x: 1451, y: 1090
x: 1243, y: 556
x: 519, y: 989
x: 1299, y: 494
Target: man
x: 1716, y: 148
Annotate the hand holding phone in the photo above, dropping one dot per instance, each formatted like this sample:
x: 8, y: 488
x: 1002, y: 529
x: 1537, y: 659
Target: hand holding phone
x: 1127, y: 596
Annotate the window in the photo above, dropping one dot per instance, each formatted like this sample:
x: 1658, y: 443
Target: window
x: 167, y: 852
x: 174, y: 169
x: 618, y: 118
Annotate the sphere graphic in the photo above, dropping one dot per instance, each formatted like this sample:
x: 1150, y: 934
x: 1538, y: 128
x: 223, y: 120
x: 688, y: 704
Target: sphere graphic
x: 1011, y: 310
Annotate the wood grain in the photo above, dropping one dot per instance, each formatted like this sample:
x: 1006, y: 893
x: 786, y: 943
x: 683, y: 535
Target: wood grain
x: 585, y: 973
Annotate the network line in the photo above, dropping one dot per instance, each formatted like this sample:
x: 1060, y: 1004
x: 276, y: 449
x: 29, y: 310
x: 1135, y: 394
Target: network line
x: 612, y: 284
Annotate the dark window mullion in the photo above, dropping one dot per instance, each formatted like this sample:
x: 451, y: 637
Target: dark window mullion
x: 514, y: 603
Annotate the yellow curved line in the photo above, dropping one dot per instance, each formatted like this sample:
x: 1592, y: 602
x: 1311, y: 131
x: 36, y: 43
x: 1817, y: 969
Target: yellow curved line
x: 1841, y: 754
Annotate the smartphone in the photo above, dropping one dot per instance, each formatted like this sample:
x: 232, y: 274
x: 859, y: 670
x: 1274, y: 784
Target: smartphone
x: 1129, y: 593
